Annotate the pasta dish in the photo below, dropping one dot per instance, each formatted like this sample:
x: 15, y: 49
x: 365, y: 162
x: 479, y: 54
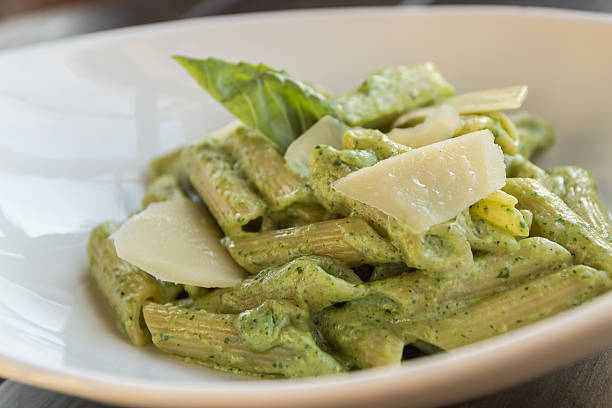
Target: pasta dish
x: 321, y: 233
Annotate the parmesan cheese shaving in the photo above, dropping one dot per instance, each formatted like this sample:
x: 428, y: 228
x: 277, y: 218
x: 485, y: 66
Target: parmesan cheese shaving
x: 177, y: 241
x: 431, y: 184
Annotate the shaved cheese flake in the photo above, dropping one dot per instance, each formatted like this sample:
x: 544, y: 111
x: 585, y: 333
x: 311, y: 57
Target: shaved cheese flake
x: 327, y: 131
x: 474, y: 102
x: 441, y: 125
x: 177, y: 241
x: 431, y: 184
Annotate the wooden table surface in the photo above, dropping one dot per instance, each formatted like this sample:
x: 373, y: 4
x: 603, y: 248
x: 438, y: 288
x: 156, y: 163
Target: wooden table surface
x: 587, y: 383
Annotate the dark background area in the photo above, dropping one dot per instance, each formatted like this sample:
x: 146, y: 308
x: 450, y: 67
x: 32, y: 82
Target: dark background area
x: 29, y: 21
x: 587, y: 383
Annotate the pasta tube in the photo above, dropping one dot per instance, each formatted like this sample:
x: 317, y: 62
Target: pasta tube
x: 125, y: 286
x: 534, y: 132
x: 228, y: 196
x: 498, y: 123
x: 372, y: 140
x: 486, y: 237
x: 388, y: 93
x: 265, y: 167
x: 358, y: 332
x: 422, y: 296
x: 326, y: 165
x: 515, y: 308
x: 311, y: 282
x: 226, y: 341
x: 519, y: 166
x: 162, y: 188
x: 168, y: 164
x: 295, y: 215
x: 580, y: 193
x: 442, y: 249
x: 553, y: 219
x: 350, y: 240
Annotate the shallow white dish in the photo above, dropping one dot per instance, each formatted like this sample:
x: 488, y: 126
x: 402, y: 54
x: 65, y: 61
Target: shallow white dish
x: 80, y: 118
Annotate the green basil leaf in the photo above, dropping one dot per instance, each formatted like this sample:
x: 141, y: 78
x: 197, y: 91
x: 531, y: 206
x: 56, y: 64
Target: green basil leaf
x: 267, y: 100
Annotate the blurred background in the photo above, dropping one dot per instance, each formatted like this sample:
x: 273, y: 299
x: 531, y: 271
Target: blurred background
x: 30, y: 21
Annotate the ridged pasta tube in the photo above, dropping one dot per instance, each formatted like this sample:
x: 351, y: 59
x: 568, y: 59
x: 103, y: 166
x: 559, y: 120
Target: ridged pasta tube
x: 218, y: 340
x: 519, y: 166
x: 265, y: 167
x: 553, y: 219
x: 125, y: 286
x: 350, y: 240
x: 228, y: 196
x: 514, y: 308
x: 421, y: 295
x: 580, y: 193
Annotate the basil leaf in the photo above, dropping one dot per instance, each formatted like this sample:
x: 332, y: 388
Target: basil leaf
x: 270, y: 101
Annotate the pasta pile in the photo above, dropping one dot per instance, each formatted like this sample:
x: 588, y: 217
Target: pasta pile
x: 338, y: 284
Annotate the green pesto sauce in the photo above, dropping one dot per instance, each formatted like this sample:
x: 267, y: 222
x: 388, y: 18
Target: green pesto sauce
x: 259, y: 329
x: 309, y: 315
x: 386, y: 94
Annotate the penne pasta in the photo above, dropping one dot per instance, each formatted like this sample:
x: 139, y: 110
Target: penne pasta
x: 265, y: 168
x: 228, y: 196
x: 351, y: 240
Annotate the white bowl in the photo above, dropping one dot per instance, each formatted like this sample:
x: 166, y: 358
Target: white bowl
x: 80, y: 118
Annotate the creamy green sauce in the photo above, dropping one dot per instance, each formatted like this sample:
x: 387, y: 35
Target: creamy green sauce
x: 305, y: 311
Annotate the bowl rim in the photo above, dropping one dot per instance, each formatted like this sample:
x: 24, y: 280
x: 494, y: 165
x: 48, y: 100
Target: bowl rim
x: 458, y: 367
